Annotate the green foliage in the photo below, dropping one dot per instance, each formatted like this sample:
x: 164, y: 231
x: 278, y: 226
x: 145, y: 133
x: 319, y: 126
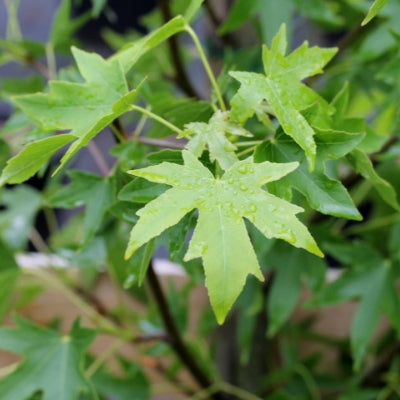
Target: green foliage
x: 53, y: 364
x: 374, y: 10
x: 281, y: 87
x: 220, y: 236
x: 240, y: 183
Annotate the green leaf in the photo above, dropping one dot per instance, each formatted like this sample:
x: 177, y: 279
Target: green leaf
x: 52, y: 363
x: 363, y: 165
x: 321, y: 11
x: 32, y: 157
x: 93, y: 191
x: 241, y: 11
x: 9, y: 273
x: 192, y: 9
x: 97, y: 7
x: 84, y: 108
x: 324, y: 194
x: 281, y: 87
x: 139, y: 264
x: 374, y: 10
x: 272, y: 14
x: 213, y: 136
x: 220, y: 236
x: 290, y: 265
x: 63, y: 26
x: 131, y: 53
x: 367, y: 314
x: 133, y: 385
x: 141, y: 191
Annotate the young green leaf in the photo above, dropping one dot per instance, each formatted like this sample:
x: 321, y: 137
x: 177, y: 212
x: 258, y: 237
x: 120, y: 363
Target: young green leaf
x: 220, y: 236
x: 281, y: 87
x: 131, y: 53
x: 84, y: 108
x: 374, y: 10
x: 53, y: 363
x: 31, y: 158
x: 213, y: 135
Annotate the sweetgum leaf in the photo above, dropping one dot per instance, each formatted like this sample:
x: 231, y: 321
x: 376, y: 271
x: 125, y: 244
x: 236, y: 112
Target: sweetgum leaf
x: 213, y: 136
x: 84, y: 108
x: 52, y: 363
x: 220, y: 236
x: 281, y: 87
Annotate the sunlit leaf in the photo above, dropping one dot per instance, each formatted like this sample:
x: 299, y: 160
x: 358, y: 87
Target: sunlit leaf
x: 220, y: 236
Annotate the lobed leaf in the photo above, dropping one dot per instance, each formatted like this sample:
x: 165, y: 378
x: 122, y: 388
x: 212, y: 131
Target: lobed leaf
x: 281, y: 87
x: 53, y: 363
x: 213, y: 136
x: 84, y: 108
x: 220, y: 236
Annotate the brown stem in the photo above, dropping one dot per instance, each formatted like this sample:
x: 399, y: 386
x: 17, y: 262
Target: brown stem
x: 175, y: 337
x: 165, y: 144
x: 37, y: 66
x: 182, y: 78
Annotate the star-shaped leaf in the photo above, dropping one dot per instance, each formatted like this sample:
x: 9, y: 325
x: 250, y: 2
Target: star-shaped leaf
x: 281, y: 87
x: 220, y: 236
x: 213, y: 135
x: 53, y: 364
x: 84, y: 108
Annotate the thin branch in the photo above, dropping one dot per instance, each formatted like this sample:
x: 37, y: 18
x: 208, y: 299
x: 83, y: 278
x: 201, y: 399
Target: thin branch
x: 176, y: 340
x: 37, y: 240
x: 182, y: 78
x: 165, y: 144
x: 207, y: 66
x: 157, y: 118
x: 98, y: 158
